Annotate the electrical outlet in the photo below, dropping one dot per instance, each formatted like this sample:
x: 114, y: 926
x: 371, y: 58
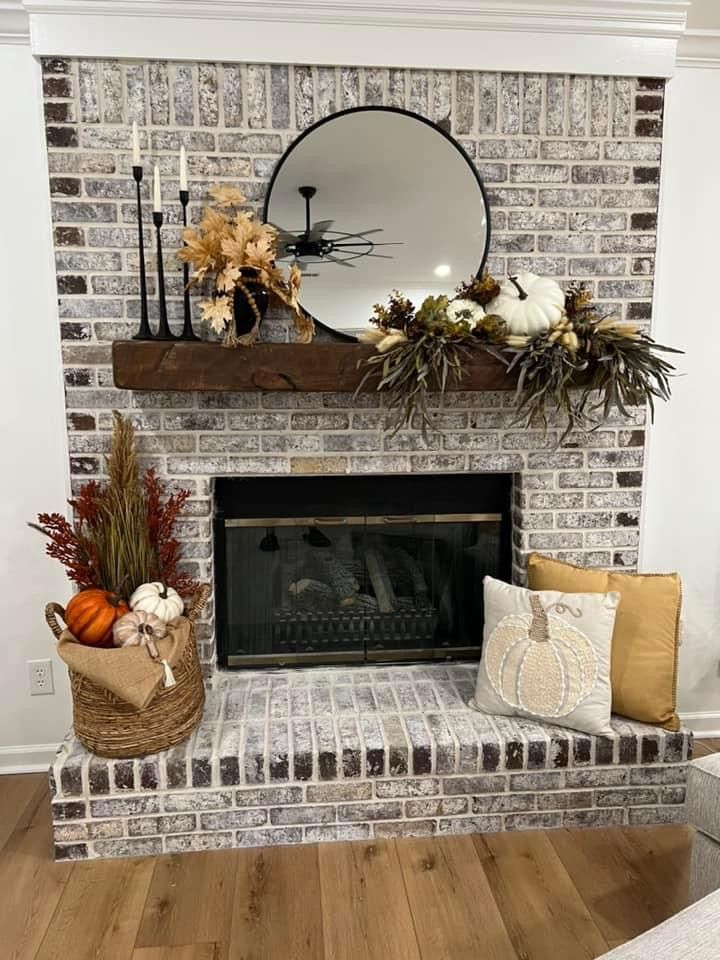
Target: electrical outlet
x: 41, y: 678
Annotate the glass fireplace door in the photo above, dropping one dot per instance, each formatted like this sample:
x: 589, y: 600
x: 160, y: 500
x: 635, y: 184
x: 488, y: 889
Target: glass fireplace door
x: 344, y: 589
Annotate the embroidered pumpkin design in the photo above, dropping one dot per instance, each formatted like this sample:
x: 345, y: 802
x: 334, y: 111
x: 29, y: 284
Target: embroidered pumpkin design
x: 540, y: 663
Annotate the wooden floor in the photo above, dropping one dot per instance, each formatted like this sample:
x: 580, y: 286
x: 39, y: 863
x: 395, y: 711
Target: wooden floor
x: 558, y: 895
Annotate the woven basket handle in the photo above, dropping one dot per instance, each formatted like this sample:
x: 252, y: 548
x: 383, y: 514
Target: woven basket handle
x: 52, y: 611
x: 196, y: 604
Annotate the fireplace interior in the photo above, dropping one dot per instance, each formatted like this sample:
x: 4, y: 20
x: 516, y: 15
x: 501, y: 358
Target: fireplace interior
x: 356, y: 569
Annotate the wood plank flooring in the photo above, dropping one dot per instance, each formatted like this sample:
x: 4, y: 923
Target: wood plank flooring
x: 555, y: 895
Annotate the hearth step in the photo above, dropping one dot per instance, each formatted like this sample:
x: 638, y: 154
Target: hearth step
x: 314, y: 754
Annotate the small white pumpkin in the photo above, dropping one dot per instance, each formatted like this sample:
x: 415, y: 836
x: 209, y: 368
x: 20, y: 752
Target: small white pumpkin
x: 156, y: 598
x: 529, y: 304
x: 138, y: 629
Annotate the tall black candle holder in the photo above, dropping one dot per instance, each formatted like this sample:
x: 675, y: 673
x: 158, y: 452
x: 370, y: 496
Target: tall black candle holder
x: 164, y: 331
x: 144, y: 331
x: 187, y: 331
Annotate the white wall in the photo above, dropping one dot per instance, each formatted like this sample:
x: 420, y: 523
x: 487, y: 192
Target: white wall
x: 681, y: 517
x: 33, y: 453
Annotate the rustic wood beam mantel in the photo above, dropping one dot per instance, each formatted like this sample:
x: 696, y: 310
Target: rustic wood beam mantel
x: 315, y: 367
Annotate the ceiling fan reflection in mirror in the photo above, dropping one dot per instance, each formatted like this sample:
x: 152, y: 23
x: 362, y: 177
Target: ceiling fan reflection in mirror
x: 317, y: 243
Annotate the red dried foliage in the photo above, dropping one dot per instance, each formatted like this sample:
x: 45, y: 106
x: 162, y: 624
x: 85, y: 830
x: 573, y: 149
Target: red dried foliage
x: 69, y: 543
x: 163, y: 512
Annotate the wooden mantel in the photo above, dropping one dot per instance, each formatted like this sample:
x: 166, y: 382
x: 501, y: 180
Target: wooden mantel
x: 315, y: 367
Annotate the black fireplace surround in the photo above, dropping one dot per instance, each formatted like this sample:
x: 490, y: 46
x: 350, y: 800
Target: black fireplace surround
x: 356, y: 569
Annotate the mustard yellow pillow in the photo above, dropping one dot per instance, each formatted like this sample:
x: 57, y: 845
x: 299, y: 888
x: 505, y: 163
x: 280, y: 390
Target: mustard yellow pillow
x: 643, y: 669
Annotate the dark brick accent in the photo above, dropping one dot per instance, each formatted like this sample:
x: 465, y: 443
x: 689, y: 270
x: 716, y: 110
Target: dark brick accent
x: 560, y: 751
x: 279, y: 767
x: 230, y: 771
x: 124, y: 775
x: 648, y: 127
x: 581, y: 750
x: 648, y: 103
x: 58, y: 112
x: 98, y: 777
x: 651, y: 83
x: 375, y: 762
x: 55, y: 65
x: 490, y: 756
x: 629, y: 478
x: 75, y: 331
x: 514, y: 755
x: 149, y: 775
x: 70, y: 851
x: 646, y: 175
x: 673, y: 748
x: 62, y: 136
x: 201, y: 772
x: 69, y: 237
x: 65, y: 187
x: 75, y: 810
x: 650, y: 750
x: 627, y: 519
x: 84, y: 466
x: 303, y: 766
x: 69, y: 284
x: 639, y: 311
x: 78, y: 377
x: 57, y: 87
x: 536, y: 754
x: 81, y: 421
x: 643, y: 221
x: 422, y: 760
x: 71, y: 780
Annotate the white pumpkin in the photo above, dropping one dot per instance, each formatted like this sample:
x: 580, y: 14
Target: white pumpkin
x: 138, y: 629
x: 158, y: 599
x: 529, y: 304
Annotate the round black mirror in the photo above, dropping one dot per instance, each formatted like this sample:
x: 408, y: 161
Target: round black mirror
x: 374, y: 199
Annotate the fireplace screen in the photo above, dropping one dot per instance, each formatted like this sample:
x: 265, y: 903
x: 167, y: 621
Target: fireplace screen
x: 349, y: 586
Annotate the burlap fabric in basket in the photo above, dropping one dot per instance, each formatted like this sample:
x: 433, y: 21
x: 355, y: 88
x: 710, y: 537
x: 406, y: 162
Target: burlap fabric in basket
x: 121, y: 707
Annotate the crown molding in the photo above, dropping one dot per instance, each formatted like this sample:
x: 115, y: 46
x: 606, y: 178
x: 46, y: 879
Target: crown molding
x: 14, y: 23
x: 585, y: 36
x: 699, y: 48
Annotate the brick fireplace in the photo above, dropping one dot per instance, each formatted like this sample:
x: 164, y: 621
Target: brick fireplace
x: 571, y: 165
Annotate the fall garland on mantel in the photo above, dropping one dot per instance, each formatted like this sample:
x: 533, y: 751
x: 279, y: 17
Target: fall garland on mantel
x: 570, y: 359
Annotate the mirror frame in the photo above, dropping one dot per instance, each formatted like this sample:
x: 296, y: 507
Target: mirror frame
x: 348, y: 338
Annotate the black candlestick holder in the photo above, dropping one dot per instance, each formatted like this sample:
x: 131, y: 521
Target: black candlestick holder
x: 144, y: 331
x: 164, y: 331
x: 187, y: 331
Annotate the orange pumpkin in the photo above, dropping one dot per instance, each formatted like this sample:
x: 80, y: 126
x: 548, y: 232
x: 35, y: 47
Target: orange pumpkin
x: 90, y: 616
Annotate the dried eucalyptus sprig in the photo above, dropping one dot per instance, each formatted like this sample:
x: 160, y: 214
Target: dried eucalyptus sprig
x: 409, y: 370
x: 610, y: 364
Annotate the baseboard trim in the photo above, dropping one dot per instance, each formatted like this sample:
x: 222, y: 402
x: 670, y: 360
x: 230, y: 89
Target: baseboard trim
x: 27, y: 758
x: 702, y: 724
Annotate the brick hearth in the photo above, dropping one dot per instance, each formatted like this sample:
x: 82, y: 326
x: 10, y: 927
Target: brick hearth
x: 340, y: 754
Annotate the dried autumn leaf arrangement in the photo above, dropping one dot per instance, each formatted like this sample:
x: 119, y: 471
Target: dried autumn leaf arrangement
x: 237, y: 250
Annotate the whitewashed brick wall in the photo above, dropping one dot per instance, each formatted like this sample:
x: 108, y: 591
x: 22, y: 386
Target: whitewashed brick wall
x: 572, y: 168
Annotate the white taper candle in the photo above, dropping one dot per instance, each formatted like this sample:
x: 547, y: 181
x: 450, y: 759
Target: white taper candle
x: 157, y: 196
x: 135, y: 145
x: 183, y: 169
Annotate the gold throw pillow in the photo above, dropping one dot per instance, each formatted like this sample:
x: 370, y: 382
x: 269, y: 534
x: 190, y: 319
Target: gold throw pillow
x: 644, y: 657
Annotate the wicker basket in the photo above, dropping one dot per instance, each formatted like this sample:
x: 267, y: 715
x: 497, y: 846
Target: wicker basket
x: 110, y: 727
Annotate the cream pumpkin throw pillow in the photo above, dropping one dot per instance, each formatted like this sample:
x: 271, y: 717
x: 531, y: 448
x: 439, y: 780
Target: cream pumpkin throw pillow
x: 546, y: 656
